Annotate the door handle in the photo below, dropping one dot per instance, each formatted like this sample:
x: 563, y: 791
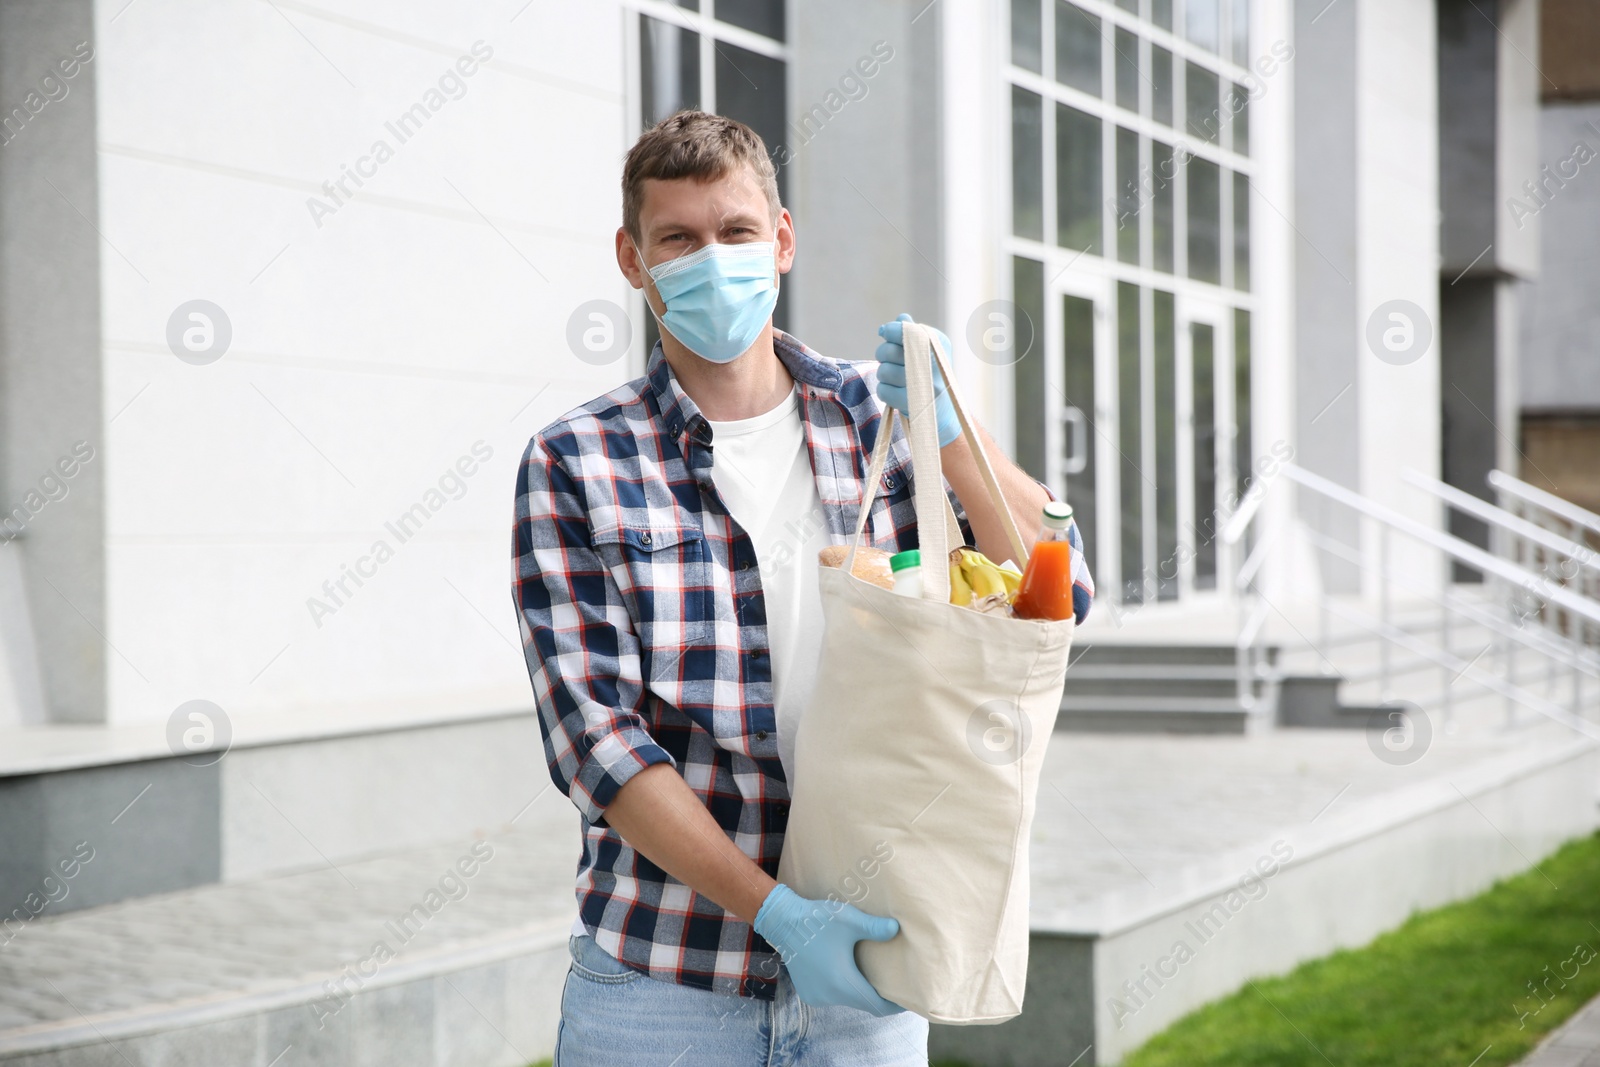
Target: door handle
x: 1077, y: 458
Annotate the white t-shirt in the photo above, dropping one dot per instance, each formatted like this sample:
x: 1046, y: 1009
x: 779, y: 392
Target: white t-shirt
x: 763, y: 473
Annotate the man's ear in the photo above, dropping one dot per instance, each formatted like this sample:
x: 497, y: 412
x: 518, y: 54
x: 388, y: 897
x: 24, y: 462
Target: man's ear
x: 784, y: 235
x: 628, y: 259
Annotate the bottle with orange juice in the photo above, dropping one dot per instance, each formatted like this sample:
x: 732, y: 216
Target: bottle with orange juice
x: 1046, y: 588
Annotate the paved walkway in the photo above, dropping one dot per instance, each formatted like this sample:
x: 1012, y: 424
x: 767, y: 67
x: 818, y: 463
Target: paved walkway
x: 1142, y: 810
x: 1575, y: 1044
x: 202, y: 944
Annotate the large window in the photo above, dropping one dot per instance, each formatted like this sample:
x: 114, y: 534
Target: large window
x: 1130, y: 254
x: 725, y: 56
x: 1125, y: 109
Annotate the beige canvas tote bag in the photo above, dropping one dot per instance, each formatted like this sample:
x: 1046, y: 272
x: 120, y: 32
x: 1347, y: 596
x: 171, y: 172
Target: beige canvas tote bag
x: 917, y: 760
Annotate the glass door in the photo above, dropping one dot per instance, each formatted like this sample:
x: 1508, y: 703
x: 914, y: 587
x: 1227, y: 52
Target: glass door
x: 1131, y: 415
x: 1061, y: 396
x: 1133, y: 402
x: 1205, y: 418
x: 1081, y: 449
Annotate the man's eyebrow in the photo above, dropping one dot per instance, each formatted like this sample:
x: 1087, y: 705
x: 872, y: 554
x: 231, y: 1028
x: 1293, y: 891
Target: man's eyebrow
x: 733, y: 218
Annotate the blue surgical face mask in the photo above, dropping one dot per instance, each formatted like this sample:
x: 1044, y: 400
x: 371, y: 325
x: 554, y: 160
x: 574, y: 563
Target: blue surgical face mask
x: 719, y: 297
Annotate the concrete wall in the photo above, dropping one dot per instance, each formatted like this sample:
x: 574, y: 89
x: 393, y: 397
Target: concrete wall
x: 291, y: 807
x: 51, y: 255
x: 1275, y: 255
x: 1398, y: 193
x: 378, y: 339
x: 97, y: 835
x: 976, y: 172
x: 1487, y: 66
x: 21, y: 683
x: 155, y: 825
x: 1560, y: 368
x: 1469, y: 341
x: 1057, y: 1023
x: 1468, y: 185
x: 1327, y: 330
x: 1367, y: 203
x: 1519, y: 84
x: 486, y: 1009
x: 866, y: 185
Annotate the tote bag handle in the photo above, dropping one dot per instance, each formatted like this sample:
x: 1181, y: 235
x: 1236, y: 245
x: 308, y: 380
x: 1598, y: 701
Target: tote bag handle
x: 936, y: 524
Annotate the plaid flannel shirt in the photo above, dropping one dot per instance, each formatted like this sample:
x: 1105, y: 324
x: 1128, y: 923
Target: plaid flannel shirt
x: 644, y: 629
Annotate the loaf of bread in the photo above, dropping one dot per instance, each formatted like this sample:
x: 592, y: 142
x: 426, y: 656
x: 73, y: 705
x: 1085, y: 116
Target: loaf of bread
x: 872, y: 564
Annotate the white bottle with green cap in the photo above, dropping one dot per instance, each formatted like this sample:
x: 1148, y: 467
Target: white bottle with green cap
x: 907, y: 568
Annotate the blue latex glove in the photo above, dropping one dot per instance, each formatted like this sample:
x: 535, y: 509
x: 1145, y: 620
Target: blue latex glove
x: 817, y: 940
x: 892, y: 378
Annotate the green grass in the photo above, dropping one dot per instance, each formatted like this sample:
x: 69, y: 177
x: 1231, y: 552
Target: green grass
x: 1438, y: 990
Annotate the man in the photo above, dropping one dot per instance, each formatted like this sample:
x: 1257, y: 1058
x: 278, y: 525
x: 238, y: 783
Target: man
x: 666, y: 550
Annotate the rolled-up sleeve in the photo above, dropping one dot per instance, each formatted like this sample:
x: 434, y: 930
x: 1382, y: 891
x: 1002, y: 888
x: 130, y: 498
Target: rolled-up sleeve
x: 579, y: 642
x: 1082, y: 580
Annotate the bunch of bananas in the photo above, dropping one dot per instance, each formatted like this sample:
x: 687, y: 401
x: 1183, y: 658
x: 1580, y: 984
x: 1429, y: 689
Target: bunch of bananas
x: 974, y: 576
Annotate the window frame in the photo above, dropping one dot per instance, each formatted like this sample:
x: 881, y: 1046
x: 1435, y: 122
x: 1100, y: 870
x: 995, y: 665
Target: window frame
x: 709, y: 31
x: 1068, y: 270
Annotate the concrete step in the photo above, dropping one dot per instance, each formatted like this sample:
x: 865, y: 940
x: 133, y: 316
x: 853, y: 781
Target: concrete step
x: 357, y: 782
x: 452, y: 954
x: 1167, y: 688
x: 1152, y: 714
x: 1149, y: 654
x: 1217, y: 683
x: 1314, y: 702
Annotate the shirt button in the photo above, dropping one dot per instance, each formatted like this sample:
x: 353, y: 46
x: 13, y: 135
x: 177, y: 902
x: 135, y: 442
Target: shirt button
x: 645, y: 539
x: 757, y: 653
x: 761, y: 735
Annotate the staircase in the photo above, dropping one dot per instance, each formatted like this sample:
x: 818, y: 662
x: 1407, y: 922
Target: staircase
x: 1171, y: 688
x: 1522, y: 643
x: 1195, y: 688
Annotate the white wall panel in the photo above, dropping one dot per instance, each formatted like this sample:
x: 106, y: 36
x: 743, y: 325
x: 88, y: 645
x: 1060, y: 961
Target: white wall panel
x: 369, y: 353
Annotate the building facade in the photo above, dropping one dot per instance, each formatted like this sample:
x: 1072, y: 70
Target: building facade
x: 309, y: 275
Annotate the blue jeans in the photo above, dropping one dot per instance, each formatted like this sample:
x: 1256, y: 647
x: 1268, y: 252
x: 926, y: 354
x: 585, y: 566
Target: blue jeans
x: 612, y: 1014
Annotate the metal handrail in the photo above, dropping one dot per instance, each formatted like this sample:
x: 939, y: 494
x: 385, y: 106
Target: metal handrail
x: 1449, y: 661
x: 1532, y: 494
x: 1478, y: 508
x: 1551, y: 644
x: 1580, y: 659
x: 1245, y: 513
x: 1458, y: 549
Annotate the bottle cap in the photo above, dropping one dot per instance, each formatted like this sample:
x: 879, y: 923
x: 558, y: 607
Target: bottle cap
x: 1057, y: 515
x: 911, y: 557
